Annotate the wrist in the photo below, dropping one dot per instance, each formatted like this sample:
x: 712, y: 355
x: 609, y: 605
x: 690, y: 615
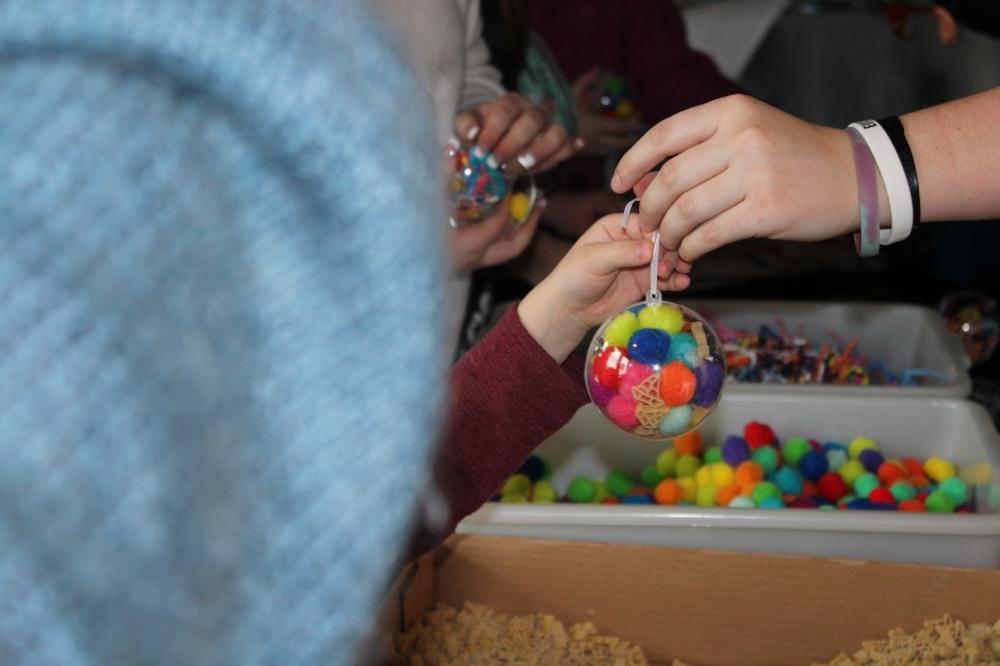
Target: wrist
x: 555, y: 330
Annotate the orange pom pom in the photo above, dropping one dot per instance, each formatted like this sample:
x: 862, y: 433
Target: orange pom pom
x: 668, y: 491
x: 689, y: 443
x: 748, y: 474
x: 890, y: 472
x: 726, y: 494
x: 677, y: 384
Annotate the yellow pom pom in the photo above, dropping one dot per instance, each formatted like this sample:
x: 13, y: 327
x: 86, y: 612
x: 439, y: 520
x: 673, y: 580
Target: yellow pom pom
x: 722, y: 474
x: 689, y: 488
x: 621, y: 329
x: 625, y: 109
x: 520, y: 206
x: 980, y: 474
x: 939, y: 469
x: 703, y: 477
x: 850, y: 471
x: 859, y: 444
x: 664, y: 317
x: 601, y: 492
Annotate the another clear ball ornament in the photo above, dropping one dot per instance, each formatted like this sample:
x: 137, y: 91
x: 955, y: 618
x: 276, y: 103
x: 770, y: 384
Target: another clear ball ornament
x: 656, y: 369
x: 477, y: 186
x: 973, y: 316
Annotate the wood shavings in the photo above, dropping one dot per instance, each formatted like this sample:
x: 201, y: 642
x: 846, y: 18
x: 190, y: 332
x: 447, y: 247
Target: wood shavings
x: 477, y: 635
x: 942, y: 642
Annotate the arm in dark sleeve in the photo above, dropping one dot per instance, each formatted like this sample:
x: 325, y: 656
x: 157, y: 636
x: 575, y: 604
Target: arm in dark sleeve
x: 666, y: 74
x: 507, y: 396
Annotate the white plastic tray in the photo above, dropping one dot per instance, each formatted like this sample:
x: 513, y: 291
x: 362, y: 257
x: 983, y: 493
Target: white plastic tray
x: 901, y: 336
x: 589, y: 445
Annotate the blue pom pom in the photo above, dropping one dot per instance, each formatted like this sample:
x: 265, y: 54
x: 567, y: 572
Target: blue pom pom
x: 789, y: 480
x: 533, y: 468
x: 771, y: 503
x: 676, y: 421
x: 834, y: 446
x: 637, y: 499
x: 649, y: 346
x: 814, y: 465
x: 862, y: 503
x: 871, y: 459
x: 835, y: 459
x: 684, y: 348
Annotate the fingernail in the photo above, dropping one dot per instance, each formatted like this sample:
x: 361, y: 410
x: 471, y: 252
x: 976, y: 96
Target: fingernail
x: 616, y: 182
x: 527, y: 160
x: 473, y: 131
x: 491, y: 162
x: 541, y: 203
x: 454, y: 143
x: 578, y: 143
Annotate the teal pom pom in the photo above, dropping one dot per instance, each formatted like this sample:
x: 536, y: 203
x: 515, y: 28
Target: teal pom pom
x: 684, y: 348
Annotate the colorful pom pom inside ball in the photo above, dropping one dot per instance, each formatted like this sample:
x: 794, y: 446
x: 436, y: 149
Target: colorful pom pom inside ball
x: 649, y: 346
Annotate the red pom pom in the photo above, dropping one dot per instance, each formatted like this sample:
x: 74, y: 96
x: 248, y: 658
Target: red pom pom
x: 758, y: 434
x: 639, y: 490
x: 881, y: 495
x: 921, y: 497
x: 913, y: 466
x: 965, y: 508
x: 609, y: 366
x: 912, y: 505
x: 831, y: 486
x: 611, y: 500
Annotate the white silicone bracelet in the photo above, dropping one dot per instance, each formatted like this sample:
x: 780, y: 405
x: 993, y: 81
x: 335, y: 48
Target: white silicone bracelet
x: 894, y: 178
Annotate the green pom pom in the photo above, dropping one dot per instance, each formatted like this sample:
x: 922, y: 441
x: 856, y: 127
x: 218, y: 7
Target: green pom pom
x: 543, y: 493
x: 902, y: 490
x: 956, y: 489
x: 513, y: 498
x: 664, y: 317
x: 517, y: 484
x: 865, y: 483
x: 793, y: 450
x: 766, y: 457
x: 940, y: 502
x: 618, y: 483
x: 763, y: 490
x: 581, y: 490
x: 666, y: 463
x: 621, y: 329
x: 600, y: 492
x: 713, y: 454
x: 651, y: 476
x: 687, y: 465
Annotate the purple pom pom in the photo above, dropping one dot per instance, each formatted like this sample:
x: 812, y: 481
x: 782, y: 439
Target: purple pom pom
x: 871, y: 459
x: 735, y: 450
x: 599, y: 393
x: 710, y: 378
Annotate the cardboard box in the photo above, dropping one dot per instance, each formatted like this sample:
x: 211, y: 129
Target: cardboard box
x: 704, y: 607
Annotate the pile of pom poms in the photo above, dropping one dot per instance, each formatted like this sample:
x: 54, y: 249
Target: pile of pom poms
x: 754, y: 470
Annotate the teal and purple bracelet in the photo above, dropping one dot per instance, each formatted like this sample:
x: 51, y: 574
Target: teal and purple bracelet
x: 866, y: 241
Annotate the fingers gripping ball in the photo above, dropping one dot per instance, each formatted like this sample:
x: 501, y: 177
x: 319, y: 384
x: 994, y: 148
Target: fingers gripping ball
x: 665, y: 365
x: 477, y: 186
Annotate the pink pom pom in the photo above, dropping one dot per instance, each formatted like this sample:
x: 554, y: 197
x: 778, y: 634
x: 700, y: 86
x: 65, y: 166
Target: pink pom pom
x: 634, y: 375
x: 600, y: 393
x: 621, y: 411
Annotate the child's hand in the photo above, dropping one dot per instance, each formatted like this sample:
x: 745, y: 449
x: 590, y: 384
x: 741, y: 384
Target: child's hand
x: 605, y: 271
x: 601, y: 136
x: 514, y: 128
x: 493, y: 240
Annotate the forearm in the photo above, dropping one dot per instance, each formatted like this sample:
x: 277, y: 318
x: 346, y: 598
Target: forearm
x: 956, y: 147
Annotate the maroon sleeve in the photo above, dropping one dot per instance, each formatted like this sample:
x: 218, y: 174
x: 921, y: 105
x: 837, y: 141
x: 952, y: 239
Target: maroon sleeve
x: 666, y: 74
x: 507, y: 396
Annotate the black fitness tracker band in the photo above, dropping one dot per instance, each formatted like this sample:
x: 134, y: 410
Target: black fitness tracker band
x: 894, y: 129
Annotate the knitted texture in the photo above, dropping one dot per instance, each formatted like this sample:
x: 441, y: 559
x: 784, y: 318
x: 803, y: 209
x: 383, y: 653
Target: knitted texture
x: 219, y: 323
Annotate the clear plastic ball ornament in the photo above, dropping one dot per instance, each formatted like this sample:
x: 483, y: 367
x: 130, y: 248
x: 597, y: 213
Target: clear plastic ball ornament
x: 656, y: 369
x: 973, y: 316
x: 611, y: 96
x: 477, y: 185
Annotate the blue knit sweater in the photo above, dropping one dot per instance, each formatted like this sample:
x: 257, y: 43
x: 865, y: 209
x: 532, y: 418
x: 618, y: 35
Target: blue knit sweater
x: 219, y: 316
